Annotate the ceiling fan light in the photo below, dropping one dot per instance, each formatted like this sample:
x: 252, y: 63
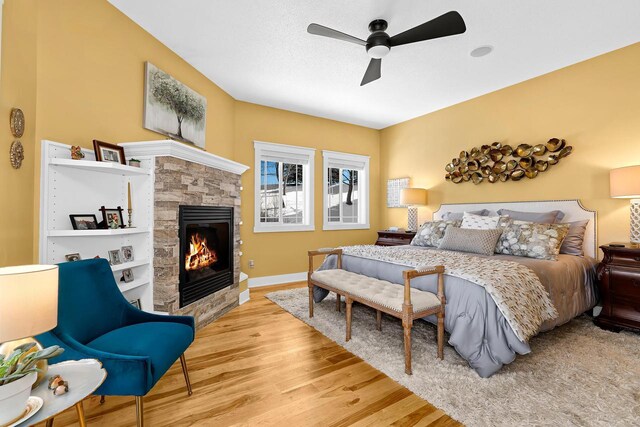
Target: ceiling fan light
x: 378, y: 52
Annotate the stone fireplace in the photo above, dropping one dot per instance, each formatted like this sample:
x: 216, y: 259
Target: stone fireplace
x: 196, y: 235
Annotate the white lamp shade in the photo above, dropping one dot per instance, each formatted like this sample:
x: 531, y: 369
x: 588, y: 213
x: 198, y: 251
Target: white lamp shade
x: 28, y: 301
x: 625, y: 182
x: 413, y: 196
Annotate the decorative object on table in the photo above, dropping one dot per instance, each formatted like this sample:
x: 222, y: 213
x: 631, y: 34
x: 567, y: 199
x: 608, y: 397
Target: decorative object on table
x: 106, y: 152
x: 394, y: 186
x: 619, y: 280
x: 394, y: 237
x: 155, y: 353
x: 83, y: 221
x: 172, y: 108
x: 72, y: 257
x: 412, y: 198
x: 129, y: 205
x: 34, y: 404
x: 498, y: 162
x: 18, y: 373
x: 127, y: 253
x: 114, y: 257
x: 58, y: 385
x: 136, y: 303
x: 111, y: 218
x: 76, y: 153
x: 624, y: 183
x: 16, y: 122
x: 134, y: 162
x: 127, y: 275
x: 16, y: 154
x: 29, y: 306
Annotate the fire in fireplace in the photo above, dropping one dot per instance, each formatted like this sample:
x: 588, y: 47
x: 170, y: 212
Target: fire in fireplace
x: 206, y: 251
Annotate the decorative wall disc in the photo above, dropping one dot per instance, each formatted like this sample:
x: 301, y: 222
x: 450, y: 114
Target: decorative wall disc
x: 16, y: 154
x: 500, y: 163
x: 16, y: 122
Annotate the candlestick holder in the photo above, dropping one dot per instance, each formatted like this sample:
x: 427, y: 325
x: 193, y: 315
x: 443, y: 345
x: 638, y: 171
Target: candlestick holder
x: 130, y: 211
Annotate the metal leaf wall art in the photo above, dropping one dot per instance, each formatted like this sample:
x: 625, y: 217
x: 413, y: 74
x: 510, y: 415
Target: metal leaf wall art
x: 497, y: 162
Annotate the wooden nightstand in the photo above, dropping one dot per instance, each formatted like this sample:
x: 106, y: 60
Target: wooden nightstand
x: 394, y: 238
x: 619, y: 275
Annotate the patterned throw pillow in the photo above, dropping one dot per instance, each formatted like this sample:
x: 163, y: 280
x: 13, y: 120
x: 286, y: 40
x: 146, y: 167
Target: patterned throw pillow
x: 479, y: 222
x: 531, y: 240
x: 431, y: 232
x: 458, y: 215
x: 481, y: 242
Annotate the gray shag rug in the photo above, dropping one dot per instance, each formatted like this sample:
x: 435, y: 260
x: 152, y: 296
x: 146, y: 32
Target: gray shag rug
x: 576, y: 375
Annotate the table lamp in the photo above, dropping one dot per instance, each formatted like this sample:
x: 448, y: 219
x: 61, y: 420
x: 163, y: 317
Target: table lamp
x: 412, y: 198
x: 624, y: 183
x: 28, y: 306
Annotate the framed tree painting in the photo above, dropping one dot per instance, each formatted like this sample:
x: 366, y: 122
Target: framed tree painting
x: 172, y: 108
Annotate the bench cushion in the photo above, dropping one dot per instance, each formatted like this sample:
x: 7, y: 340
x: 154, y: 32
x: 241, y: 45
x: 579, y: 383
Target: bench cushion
x: 381, y: 292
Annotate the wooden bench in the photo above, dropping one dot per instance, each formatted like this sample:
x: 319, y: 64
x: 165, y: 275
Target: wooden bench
x: 405, y: 303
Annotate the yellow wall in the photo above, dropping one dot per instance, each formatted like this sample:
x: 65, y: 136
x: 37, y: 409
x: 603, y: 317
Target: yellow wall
x: 594, y: 105
x: 282, y: 253
x: 17, y: 89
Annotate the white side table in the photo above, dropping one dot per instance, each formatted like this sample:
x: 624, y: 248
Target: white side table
x: 84, y: 377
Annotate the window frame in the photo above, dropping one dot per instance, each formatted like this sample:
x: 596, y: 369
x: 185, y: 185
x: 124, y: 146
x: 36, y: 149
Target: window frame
x: 294, y: 154
x: 357, y: 162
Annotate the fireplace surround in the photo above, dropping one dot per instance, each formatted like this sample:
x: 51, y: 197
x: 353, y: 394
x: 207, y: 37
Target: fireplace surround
x: 206, y: 251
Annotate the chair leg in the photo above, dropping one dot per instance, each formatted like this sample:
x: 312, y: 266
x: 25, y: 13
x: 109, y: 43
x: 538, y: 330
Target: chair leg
x: 441, y: 335
x: 407, y: 347
x: 338, y: 302
x: 379, y: 320
x: 349, y: 302
x: 310, y: 301
x: 185, y: 371
x: 139, y: 411
x: 102, y: 400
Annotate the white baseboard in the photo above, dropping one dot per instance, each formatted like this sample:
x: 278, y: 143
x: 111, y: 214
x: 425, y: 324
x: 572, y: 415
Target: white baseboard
x: 257, y: 282
x: 244, y: 297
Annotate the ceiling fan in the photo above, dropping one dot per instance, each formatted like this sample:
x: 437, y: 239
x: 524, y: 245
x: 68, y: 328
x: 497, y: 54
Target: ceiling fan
x: 379, y: 43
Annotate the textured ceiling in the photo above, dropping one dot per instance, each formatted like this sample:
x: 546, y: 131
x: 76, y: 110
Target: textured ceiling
x: 260, y: 52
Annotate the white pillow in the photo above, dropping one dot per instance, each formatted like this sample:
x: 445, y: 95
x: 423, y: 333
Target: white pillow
x: 479, y: 222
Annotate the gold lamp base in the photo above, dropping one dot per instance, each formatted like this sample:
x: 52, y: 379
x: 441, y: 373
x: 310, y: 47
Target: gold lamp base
x: 7, y: 347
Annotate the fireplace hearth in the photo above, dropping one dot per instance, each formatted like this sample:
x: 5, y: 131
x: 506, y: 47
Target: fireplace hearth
x: 206, y: 251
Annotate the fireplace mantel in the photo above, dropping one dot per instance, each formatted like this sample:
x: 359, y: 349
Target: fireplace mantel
x: 182, y: 151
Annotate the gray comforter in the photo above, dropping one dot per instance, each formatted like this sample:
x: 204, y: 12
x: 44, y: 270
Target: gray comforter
x: 478, y: 330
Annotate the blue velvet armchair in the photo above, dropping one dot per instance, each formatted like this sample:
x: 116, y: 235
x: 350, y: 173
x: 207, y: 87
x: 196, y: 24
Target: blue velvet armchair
x: 96, y: 321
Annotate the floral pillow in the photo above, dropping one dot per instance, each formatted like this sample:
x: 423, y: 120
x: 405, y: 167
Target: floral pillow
x: 431, y: 233
x: 531, y: 240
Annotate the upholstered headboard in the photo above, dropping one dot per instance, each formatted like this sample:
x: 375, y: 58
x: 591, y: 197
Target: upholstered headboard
x: 573, y: 211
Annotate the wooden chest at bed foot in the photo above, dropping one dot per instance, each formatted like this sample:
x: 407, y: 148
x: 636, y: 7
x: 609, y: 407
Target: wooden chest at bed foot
x: 619, y: 276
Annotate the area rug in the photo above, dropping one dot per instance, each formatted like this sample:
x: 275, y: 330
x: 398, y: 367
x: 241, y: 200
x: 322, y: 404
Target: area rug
x: 576, y: 375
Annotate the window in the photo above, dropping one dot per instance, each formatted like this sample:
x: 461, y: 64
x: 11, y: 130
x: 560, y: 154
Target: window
x: 284, y: 188
x: 346, y: 191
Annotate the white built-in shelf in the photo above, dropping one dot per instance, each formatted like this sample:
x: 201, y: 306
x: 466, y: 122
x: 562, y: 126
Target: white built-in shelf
x: 124, y: 287
x: 134, y: 263
x: 104, y: 167
x: 94, y: 233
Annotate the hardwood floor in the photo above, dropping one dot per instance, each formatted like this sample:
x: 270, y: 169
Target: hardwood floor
x: 258, y: 365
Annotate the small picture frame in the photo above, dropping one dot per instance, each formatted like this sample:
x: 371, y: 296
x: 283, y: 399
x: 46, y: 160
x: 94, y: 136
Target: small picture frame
x: 127, y: 275
x: 127, y: 253
x: 83, y: 221
x: 72, y: 257
x: 136, y: 303
x: 114, y: 257
x: 111, y: 218
x: 106, y: 152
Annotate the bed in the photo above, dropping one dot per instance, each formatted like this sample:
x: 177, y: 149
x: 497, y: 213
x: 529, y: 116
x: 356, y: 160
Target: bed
x: 477, y: 326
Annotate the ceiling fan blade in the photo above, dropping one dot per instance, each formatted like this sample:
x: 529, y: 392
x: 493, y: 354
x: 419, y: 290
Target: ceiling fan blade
x: 373, y: 71
x: 449, y: 24
x: 320, y: 30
